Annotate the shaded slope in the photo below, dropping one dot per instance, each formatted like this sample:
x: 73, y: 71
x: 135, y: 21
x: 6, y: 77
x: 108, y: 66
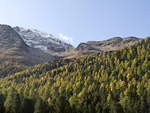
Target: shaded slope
x: 14, y: 51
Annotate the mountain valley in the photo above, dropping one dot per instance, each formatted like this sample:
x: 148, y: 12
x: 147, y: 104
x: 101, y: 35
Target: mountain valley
x: 40, y: 73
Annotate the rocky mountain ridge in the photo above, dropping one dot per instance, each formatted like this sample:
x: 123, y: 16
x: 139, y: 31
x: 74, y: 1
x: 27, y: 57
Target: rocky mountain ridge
x: 93, y: 47
x: 108, y: 45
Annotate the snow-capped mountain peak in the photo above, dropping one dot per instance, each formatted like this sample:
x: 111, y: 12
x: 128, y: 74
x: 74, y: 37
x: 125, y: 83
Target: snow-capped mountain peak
x: 42, y: 40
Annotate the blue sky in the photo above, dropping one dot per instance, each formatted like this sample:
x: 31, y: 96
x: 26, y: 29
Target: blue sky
x: 82, y: 20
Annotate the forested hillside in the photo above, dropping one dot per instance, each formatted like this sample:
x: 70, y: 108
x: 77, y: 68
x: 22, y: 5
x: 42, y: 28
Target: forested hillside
x: 108, y: 82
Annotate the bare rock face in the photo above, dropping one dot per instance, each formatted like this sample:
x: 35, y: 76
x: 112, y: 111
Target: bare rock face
x: 9, y: 38
x: 14, y: 49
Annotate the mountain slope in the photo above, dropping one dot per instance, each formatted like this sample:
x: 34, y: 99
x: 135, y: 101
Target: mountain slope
x: 108, y: 82
x: 52, y: 44
x: 93, y: 47
x: 43, y: 41
x: 13, y: 50
x: 108, y: 45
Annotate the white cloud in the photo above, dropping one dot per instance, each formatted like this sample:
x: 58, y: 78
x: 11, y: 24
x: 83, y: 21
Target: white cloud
x: 65, y: 38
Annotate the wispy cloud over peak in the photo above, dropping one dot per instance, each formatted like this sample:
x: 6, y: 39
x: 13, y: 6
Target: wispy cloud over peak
x: 66, y: 38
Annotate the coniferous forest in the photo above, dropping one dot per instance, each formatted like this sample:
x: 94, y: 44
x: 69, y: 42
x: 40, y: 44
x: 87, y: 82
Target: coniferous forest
x: 107, y: 82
